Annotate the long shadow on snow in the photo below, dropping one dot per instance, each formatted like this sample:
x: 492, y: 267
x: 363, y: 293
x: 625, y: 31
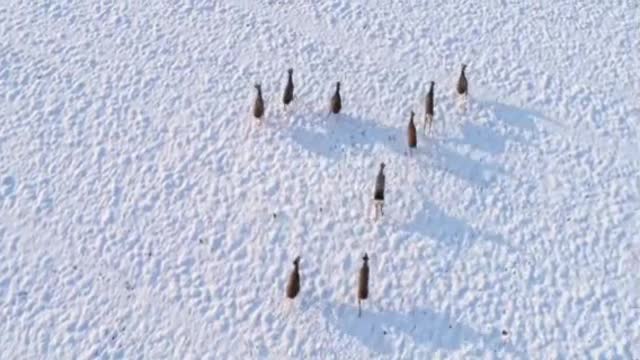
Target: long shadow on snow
x: 513, y: 115
x: 329, y: 135
x: 476, y: 172
x: 481, y: 138
x: 484, y: 138
x: 521, y: 125
x: 426, y: 327
x: 432, y: 222
x: 517, y: 117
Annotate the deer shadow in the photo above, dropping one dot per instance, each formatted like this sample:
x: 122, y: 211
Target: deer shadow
x: 481, y: 138
x: 330, y: 135
x: 513, y: 115
x: 375, y: 329
x: 476, y: 172
x: 522, y: 121
x: 433, y: 222
x: 520, y: 127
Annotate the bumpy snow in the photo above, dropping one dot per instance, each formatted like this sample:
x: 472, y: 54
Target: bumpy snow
x: 141, y: 216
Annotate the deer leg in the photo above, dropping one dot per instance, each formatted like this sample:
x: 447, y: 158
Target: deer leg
x: 375, y: 217
x: 249, y: 127
x: 462, y: 102
x: 379, y: 205
x: 359, y: 309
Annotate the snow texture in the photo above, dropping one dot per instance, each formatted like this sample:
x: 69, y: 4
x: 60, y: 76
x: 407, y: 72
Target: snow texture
x: 141, y: 216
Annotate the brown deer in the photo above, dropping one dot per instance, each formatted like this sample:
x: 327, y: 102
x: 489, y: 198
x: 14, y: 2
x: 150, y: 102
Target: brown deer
x: 336, y: 100
x: 363, y: 283
x: 428, y: 114
x: 293, y: 287
x: 412, y: 139
x: 378, y: 193
x: 463, y: 85
x: 287, y: 98
x: 258, y: 105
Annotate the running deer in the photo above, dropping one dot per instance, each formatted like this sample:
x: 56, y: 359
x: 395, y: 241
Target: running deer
x: 293, y: 287
x: 412, y: 139
x: 378, y: 193
x: 258, y: 105
x: 336, y: 100
x: 463, y: 87
x: 428, y: 114
x: 363, y: 283
x: 287, y: 98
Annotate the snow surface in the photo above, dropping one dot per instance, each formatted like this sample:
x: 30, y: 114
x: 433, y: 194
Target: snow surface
x: 141, y: 216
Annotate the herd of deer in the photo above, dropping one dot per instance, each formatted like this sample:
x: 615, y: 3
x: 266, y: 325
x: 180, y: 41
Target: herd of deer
x: 335, y: 105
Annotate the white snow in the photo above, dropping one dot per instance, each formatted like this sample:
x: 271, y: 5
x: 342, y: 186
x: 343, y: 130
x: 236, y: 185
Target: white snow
x: 141, y: 216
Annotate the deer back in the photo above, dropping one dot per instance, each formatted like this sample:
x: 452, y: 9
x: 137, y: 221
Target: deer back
x: 429, y: 105
x: 336, y: 101
x: 293, y: 287
x: 463, y: 86
x: 288, y: 90
x: 258, y: 105
x: 363, y: 282
x: 411, y: 134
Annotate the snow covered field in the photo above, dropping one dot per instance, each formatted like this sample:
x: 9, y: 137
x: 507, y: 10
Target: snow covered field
x: 140, y: 218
